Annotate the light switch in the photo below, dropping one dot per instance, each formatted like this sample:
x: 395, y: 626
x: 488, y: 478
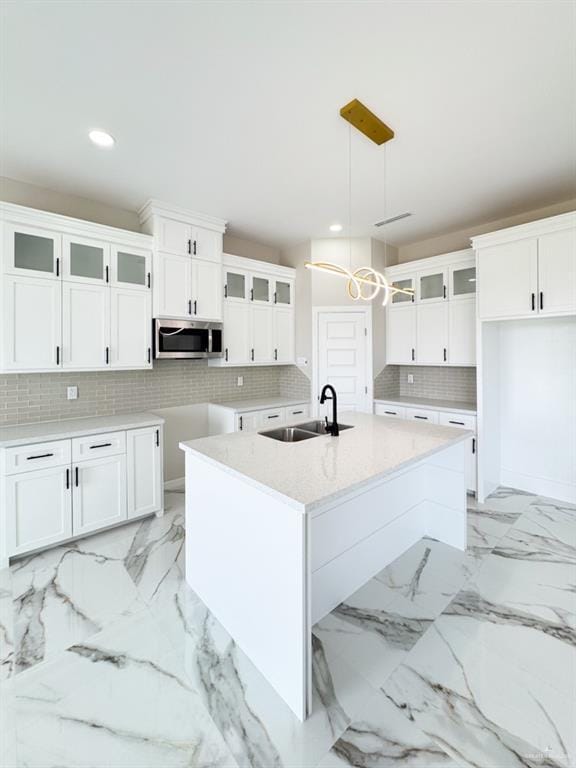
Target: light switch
x: 72, y: 393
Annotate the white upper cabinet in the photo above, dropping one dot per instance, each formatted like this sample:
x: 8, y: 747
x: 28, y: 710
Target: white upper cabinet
x: 462, y: 332
x: 172, y: 286
x: 462, y: 282
x: 284, y: 293
x: 260, y: 291
x: 131, y: 329
x: 206, y: 289
x: 237, y: 333
x: 557, y: 272
x: 403, y: 283
x: 283, y: 335
x: 86, y: 326
x: 262, y: 334
x: 85, y: 260
x: 401, y: 336
x: 31, y: 324
x: 432, y: 334
x: 31, y: 251
x: 528, y: 270
x: 206, y: 244
x: 174, y: 237
x: 131, y: 267
x: 236, y: 284
x: 431, y: 285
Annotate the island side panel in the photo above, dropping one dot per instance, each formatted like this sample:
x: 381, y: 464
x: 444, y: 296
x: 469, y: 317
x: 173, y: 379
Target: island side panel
x: 246, y: 558
x: 446, y: 505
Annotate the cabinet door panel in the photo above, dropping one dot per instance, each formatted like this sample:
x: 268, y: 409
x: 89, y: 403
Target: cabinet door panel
x: 432, y: 286
x: 32, y: 251
x: 557, y: 272
x: 144, y: 471
x: 432, y: 334
x: 401, y: 335
x: 262, y: 334
x: 507, y: 279
x: 174, y: 237
x: 173, y: 286
x: 462, y: 332
x: 85, y: 260
x: 236, y: 284
x: 131, y: 267
x: 248, y: 422
x: 283, y: 335
x: 131, y: 331
x: 207, y: 289
x: 237, y: 333
x: 207, y: 244
x: 86, y: 325
x: 38, y: 509
x: 99, y: 493
x: 32, y: 326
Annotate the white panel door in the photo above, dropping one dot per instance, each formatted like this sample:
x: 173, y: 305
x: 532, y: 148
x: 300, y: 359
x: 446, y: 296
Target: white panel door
x: 144, y: 471
x: 207, y: 289
x: 508, y: 280
x: 86, y: 325
x: 342, y: 359
x: 262, y: 350
x: 237, y: 333
x: 173, y: 286
x: 207, y: 244
x: 401, y: 335
x: 31, y: 252
x: 174, y: 236
x: 557, y: 272
x: 99, y: 493
x: 462, y: 332
x: 283, y: 335
x: 38, y: 508
x: 31, y: 324
x: 432, y: 334
x: 131, y: 329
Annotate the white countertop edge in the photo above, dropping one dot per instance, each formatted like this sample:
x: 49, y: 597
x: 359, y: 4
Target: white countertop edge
x: 43, y: 431
x: 330, y: 499
x: 244, y: 406
x: 428, y: 405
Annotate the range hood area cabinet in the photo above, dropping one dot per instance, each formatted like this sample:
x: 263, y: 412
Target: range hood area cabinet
x: 528, y: 271
x: 75, y: 295
x: 258, y: 313
x: 187, y: 262
x: 437, y: 326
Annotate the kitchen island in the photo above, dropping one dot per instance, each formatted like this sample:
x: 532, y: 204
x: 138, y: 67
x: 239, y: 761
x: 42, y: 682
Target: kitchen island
x: 280, y: 533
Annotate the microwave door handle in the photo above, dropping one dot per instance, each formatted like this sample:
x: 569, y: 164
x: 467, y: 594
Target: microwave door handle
x: 209, y: 340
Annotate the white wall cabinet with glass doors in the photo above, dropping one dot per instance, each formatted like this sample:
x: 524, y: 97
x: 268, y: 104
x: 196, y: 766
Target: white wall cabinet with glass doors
x: 436, y: 324
x: 66, y: 287
x: 187, y: 262
x: 258, y: 313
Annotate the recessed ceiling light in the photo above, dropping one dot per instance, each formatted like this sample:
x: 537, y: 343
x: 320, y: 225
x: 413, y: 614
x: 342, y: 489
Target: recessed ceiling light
x: 102, y: 139
x: 335, y: 227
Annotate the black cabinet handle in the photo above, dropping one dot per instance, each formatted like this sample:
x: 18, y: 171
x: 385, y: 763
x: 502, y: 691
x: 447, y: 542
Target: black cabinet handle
x: 473, y: 445
x: 252, y: 354
x: 58, y: 267
x: 275, y: 298
x: 460, y: 423
x: 107, y: 355
x: 148, y: 279
x: 157, y: 438
x: 189, y: 306
x: 189, y: 246
x: 391, y: 413
x: 76, y: 476
x: 241, y: 425
x: 226, y: 354
x: 101, y: 445
x: 149, y: 355
x: 275, y: 354
x: 251, y: 294
x: 107, y: 274
x: 67, y: 479
x: 275, y: 416
x: 297, y: 413
x: 195, y: 307
x: 40, y: 456
x: 444, y: 291
x: 412, y: 353
x: 444, y: 354
x: 194, y: 247
x: 541, y: 300
x: 225, y: 291
x: 425, y: 418
x: 533, y: 302
x: 57, y: 355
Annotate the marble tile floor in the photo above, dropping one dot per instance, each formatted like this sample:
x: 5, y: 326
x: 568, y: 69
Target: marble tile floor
x: 108, y: 659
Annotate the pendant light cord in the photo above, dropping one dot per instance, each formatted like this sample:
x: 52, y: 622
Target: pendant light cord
x: 385, y: 205
x: 350, y: 196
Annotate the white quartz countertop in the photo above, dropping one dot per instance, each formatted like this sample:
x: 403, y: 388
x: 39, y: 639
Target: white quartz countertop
x: 260, y: 404
x: 434, y: 405
x: 316, y: 471
x: 24, y: 434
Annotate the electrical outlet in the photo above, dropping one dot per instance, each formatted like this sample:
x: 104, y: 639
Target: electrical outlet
x: 240, y: 381
x: 72, y: 393
x: 410, y: 378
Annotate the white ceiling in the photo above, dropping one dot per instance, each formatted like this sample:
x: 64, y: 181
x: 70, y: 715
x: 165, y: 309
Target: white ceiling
x: 231, y: 108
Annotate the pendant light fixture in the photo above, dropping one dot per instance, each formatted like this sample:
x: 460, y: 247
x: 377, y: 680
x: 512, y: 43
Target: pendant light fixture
x: 364, y: 282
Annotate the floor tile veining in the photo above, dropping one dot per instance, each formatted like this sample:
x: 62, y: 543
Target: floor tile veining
x: 445, y: 658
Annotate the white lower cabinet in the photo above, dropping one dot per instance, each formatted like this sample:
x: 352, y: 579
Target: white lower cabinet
x: 268, y: 418
x: 421, y: 414
x: 396, y: 412
x: 38, y: 509
x: 144, y: 471
x: 99, y: 494
x: 247, y: 422
x: 82, y: 485
x: 297, y: 412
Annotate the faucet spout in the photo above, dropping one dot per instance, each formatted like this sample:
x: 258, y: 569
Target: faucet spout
x: 332, y: 428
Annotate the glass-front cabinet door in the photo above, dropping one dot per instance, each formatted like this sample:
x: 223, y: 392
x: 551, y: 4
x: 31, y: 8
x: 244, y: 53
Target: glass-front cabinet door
x: 403, y: 284
x: 432, y: 286
x: 283, y: 292
x: 235, y: 285
x: 462, y: 282
x: 86, y: 261
x: 32, y: 251
x: 260, y: 289
x: 131, y: 267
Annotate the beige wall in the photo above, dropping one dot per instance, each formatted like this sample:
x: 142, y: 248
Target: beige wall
x: 455, y: 241
x: 239, y: 246
x: 295, y: 257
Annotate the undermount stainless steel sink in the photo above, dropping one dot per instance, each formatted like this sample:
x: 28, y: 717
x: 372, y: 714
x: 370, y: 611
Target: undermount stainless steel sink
x: 319, y: 427
x: 288, y: 434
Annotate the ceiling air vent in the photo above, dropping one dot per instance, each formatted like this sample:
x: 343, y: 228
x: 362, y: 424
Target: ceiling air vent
x: 392, y: 218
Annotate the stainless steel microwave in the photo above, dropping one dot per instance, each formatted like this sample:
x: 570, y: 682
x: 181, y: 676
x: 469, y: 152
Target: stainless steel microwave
x: 180, y: 339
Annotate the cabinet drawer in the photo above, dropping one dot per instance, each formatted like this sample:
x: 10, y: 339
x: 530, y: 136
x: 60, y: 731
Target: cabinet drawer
x: 381, y: 409
x: 271, y: 417
x: 97, y: 446
x: 457, y: 420
x: 297, y: 412
x: 25, y: 458
x: 418, y: 414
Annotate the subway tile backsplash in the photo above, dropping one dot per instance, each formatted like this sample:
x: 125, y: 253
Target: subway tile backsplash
x: 435, y: 383
x: 42, y: 396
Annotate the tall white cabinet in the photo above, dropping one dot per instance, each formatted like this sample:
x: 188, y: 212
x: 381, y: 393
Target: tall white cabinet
x: 436, y: 325
x: 67, y: 286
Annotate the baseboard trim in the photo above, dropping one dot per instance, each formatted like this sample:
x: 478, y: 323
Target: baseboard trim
x: 174, y: 485
x: 540, y: 486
